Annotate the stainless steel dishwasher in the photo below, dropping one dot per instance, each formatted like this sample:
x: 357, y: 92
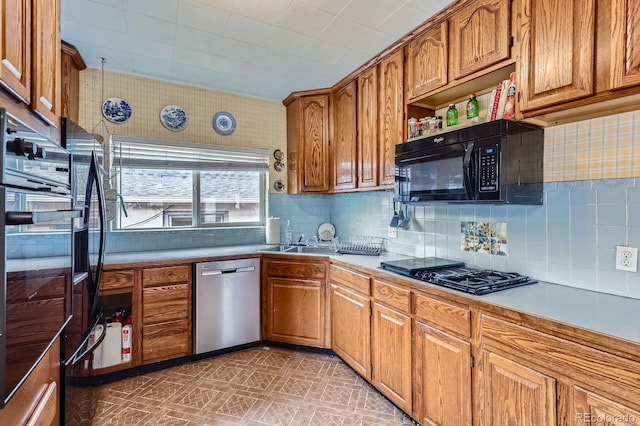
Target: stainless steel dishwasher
x: 227, y: 304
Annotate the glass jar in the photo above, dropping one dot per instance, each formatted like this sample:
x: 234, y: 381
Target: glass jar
x: 473, y: 107
x: 452, y: 115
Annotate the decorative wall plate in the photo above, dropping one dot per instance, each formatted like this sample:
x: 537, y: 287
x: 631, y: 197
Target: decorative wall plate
x: 278, y: 154
x: 278, y: 166
x: 174, y: 118
x: 326, y: 232
x: 223, y: 123
x: 278, y: 185
x: 116, y: 110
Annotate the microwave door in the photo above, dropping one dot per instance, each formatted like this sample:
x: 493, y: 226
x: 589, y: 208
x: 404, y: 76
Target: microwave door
x: 436, y: 175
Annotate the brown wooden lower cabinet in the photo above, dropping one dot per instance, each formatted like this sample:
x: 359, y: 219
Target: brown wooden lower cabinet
x: 166, y: 313
x: 351, y: 329
x: 515, y: 394
x: 593, y: 409
x: 294, y: 300
x: 441, y: 377
x: 391, y: 355
x: 296, y: 311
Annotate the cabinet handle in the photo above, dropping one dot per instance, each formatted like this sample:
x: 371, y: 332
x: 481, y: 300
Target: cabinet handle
x: 46, y: 409
x: 13, y: 70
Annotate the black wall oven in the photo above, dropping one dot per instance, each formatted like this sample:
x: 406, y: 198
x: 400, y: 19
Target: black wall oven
x: 36, y: 264
x: 496, y: 162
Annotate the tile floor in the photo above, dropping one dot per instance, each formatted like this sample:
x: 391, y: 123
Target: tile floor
x: 257, y: 386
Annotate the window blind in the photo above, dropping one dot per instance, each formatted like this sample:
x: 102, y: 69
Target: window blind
x: 126, y: 151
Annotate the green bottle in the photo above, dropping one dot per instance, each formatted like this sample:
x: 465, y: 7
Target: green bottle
x: 473, y: 108
x: 452, y: 115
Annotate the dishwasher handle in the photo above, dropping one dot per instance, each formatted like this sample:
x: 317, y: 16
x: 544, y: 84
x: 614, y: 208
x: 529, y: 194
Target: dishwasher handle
x: 227, y: 271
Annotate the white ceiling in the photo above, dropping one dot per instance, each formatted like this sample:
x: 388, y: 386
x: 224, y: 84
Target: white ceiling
x: 260, y: 48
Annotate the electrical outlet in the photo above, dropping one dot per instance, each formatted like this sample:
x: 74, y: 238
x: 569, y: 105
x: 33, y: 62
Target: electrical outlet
x: 392, y: 232
x: 627, y: 258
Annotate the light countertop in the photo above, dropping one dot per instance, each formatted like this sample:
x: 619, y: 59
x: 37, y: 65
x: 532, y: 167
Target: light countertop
x: 604, y: 313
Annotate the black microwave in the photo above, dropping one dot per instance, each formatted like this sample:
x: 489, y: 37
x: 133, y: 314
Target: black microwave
x: 499, y: 161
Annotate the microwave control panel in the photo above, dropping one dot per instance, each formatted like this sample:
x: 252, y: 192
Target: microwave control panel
x: 489, y: 157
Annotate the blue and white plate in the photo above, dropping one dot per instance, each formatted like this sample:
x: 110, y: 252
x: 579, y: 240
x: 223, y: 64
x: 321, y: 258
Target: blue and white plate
x: 116, y: 110
x: 174, y: 118
x: 223, y: 123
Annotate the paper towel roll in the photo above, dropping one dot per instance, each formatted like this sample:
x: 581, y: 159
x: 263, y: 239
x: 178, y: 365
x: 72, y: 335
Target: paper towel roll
x: 273, y: 230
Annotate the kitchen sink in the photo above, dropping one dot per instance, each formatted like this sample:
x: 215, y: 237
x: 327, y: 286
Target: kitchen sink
x: 321, y: 250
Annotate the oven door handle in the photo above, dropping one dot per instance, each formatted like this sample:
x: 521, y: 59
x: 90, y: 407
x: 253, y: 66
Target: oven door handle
x: 36, y: 218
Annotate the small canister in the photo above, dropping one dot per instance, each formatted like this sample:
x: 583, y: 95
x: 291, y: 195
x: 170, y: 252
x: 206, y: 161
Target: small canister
x: 433, y: 125
x: 412, y: 127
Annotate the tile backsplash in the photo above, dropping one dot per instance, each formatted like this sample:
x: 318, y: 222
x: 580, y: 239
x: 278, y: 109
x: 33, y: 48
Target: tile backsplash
x: 570, y: 240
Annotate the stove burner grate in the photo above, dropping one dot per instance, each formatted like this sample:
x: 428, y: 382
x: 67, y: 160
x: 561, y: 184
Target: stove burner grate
x: 474, y: 281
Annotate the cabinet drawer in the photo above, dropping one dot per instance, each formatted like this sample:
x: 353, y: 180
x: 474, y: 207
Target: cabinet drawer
x: 166, y: 340
x: 116, y: 280
x: 295, y: 269
x: 442, y: 314
x: 165, y: 303
x: 170, y: 274
x: 351, y: 279
x: 391, y: 295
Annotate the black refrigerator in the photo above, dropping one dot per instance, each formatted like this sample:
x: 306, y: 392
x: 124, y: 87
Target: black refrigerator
x: 78, y: 404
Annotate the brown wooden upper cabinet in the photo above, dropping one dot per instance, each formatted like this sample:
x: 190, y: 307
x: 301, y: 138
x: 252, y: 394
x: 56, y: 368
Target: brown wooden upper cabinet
x: 367, y: 123
x: 344, y: 137
x: 427, y: 62
x: 556, y: 63
x: 308, y: 143
x: 45, y: 91
x: 625, y: 43
x: 390, y: 113
x: 480, y: 36
x: 15, y: 69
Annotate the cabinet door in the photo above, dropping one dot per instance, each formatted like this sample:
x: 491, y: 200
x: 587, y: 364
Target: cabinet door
x: 625, y: 43
x: 351, y: 329
x: 593, y: 409
x: 442, y: 378
x: 295, y: 311
x: 344, y: 138
x: 45, y: 91
x: 515, y: 394
x: 367, y: 129
x: 391, y: 355
x: 15, y: 42
x: 166, y: 340
x: 427, y: 61
x: 556, y: 62
x: 479, y: 36
x: 314, y: 155
x: 391, y: 110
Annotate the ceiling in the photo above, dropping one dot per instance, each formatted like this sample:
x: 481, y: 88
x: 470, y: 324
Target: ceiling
x: 259, y: 48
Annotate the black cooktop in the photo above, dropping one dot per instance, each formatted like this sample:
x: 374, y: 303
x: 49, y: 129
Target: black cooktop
x: 455, y: 275
x: 409, y: 267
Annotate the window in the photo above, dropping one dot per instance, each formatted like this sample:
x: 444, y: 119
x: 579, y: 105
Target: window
x: 161, y: 184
